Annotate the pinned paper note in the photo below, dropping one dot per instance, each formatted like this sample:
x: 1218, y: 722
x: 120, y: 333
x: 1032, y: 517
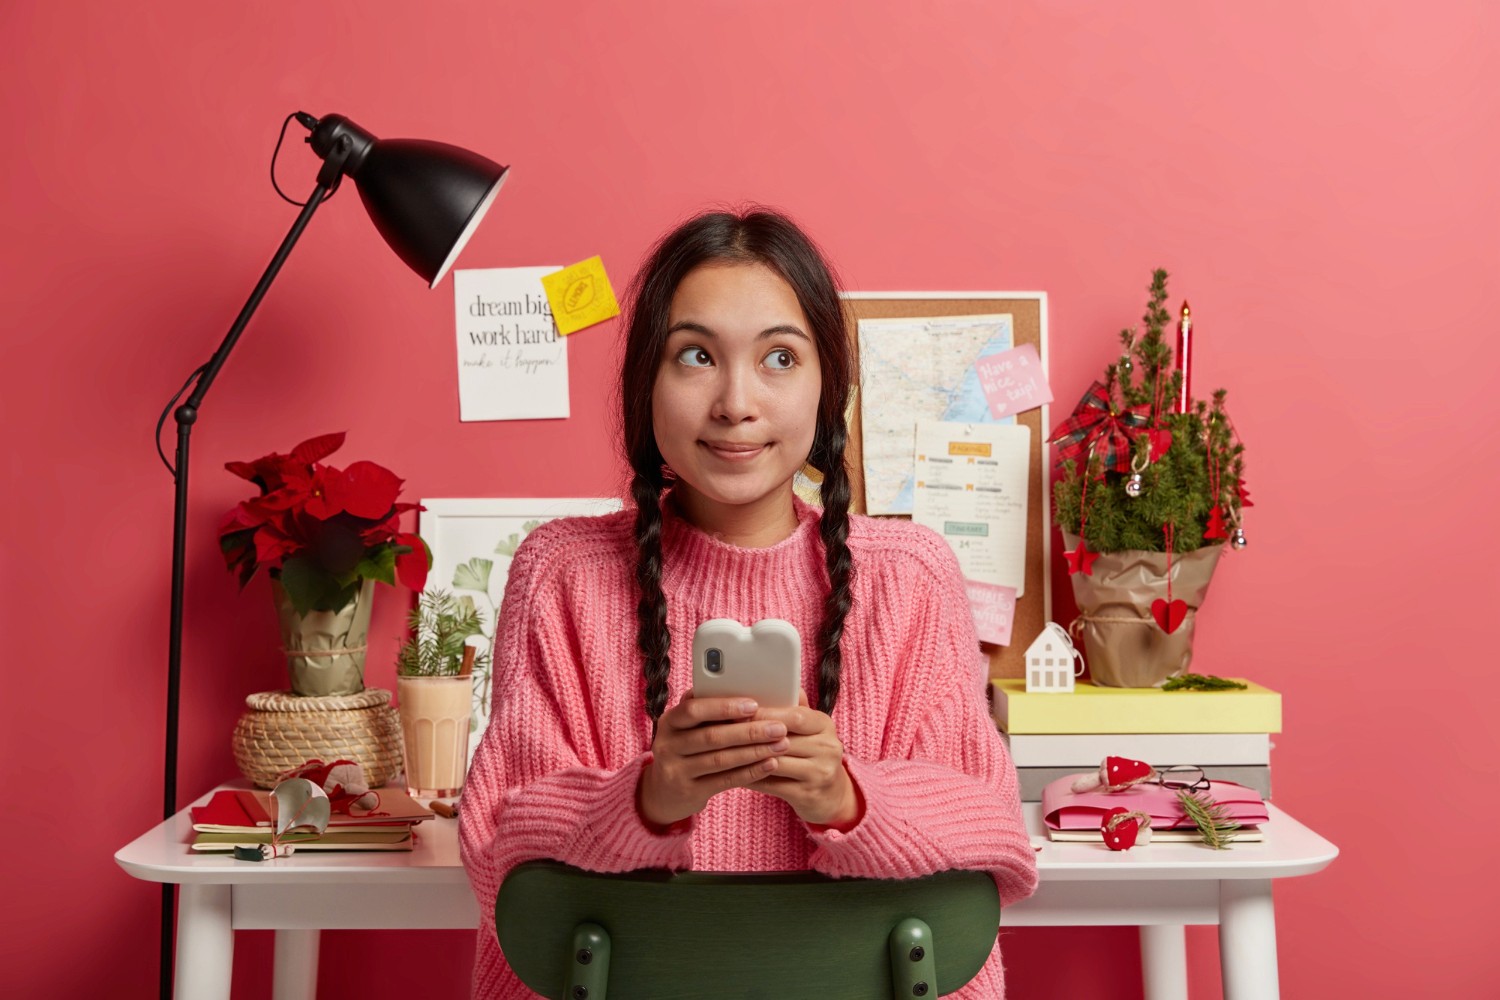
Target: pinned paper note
x: 581, y: 296
x: 994, y: 610
x: 1013, y: 380
x: 512, y: 365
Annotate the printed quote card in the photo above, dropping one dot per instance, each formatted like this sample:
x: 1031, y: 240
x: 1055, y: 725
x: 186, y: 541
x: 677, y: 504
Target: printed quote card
x: 512, y: 363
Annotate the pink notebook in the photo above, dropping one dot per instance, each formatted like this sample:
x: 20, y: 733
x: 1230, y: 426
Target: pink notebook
x: 1064, y: 809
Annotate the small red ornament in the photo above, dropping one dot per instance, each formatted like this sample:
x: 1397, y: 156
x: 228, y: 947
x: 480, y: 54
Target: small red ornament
x: 1169, y: 614
x: 1161, y: 442
x: 1123, y: 829
x: 1215, y: 529
x: 1115, y: 774
x: 1081, y: 560
x: 1243, y: 494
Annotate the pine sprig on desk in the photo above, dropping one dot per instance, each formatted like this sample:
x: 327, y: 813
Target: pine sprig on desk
x: 1201, y: 682
x: 1211, y: 819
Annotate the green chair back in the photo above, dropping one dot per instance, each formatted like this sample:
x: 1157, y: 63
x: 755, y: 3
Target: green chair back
x: 581, y: 935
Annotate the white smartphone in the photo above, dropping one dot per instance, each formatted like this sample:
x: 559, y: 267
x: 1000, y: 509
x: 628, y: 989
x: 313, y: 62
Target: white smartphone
x: 763, y: 661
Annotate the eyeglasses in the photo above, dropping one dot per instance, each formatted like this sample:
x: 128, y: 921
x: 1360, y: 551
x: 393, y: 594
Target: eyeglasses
x: 1189, y: 777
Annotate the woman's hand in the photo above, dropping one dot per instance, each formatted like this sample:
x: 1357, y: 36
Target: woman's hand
x: 810, y: 775
x: 704, y: 746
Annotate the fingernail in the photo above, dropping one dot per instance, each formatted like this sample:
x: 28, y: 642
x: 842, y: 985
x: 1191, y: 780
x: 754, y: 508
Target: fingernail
x: 748, y: 707
x: 775, y: 729
x: 781, y: 745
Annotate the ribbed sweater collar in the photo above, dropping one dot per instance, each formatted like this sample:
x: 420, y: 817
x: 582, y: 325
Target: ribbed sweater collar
x: 698, y: 562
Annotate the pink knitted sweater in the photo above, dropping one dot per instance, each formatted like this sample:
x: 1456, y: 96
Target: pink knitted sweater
x: 556, y: 773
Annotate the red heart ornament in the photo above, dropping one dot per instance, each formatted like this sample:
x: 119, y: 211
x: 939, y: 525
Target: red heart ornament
x: 1169, y: 616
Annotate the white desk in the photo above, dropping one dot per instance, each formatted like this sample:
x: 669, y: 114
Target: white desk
x: 1159, y: 888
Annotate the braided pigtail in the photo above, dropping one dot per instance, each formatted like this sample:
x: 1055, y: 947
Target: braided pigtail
x: 834, y: 530
x: 651, y: 636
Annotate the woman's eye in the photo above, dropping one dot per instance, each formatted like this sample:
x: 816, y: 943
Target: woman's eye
x: 781, y: 358
x: 694, y: 357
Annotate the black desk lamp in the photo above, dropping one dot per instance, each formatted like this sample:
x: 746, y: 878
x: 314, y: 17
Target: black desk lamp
x: 426, y: 198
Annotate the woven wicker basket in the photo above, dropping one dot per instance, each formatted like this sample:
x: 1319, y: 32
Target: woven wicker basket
x: 282, y: 731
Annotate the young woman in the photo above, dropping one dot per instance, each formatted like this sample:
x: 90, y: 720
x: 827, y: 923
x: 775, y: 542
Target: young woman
x: 736, y: 373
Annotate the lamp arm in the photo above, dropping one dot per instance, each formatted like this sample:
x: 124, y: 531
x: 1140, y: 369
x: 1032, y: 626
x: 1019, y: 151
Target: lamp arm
x: 186, y: 415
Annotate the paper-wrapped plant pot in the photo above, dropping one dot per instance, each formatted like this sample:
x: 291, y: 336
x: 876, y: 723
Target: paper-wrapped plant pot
x: 1122, y: 643
x: 325, y: 650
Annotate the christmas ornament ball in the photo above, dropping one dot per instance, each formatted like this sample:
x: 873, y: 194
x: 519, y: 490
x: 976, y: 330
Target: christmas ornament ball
x: 1238, y: 540
x: 1134, y: 486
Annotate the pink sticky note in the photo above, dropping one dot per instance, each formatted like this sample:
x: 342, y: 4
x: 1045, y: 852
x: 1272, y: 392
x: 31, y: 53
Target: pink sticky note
x: 994, y: 610
x: 1013, y: 380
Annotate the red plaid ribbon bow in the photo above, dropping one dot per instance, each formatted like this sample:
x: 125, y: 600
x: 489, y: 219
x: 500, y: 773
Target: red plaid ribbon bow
x: 1096, y: 425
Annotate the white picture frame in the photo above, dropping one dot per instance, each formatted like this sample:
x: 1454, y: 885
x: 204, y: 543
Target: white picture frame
x: 472, y: 542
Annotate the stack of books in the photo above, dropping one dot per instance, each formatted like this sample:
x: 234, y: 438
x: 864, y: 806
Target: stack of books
x: 1226, y: 733
x: 246, y: 818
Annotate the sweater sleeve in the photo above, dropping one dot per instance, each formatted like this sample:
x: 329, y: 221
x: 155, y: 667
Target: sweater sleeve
x: 538, y: 787
x: 944, y: 794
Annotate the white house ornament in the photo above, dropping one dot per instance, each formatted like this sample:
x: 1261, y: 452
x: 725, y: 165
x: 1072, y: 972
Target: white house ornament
x: 1052, y: 662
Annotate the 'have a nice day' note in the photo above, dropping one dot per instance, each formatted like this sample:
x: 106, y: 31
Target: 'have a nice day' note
x: 1013, y: 380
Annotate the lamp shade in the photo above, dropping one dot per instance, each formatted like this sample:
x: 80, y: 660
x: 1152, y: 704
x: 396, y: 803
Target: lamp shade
x: 426, y: 199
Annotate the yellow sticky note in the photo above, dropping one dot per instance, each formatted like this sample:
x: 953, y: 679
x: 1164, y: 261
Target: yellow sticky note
x: 580, y: 296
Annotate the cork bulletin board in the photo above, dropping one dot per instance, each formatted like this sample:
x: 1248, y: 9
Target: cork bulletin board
x: 1029, y: 326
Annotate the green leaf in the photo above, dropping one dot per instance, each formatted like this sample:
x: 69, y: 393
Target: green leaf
x: 474, y: 575
x: 377, y: 564
x: 508, y: 546
x: 304, y: 583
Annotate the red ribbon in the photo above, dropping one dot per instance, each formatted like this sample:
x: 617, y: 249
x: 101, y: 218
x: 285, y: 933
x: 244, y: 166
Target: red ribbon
x: 1098, y: 425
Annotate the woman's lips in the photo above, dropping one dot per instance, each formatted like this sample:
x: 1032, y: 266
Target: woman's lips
x: 733, y: 452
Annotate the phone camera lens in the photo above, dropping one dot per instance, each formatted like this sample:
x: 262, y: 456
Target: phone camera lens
x: 713, y: 661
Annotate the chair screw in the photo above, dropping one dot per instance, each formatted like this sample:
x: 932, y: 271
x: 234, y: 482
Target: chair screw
x: 580, y: 993
x: 584, y: 956
x: 917, y: 954
x: 919, y: 990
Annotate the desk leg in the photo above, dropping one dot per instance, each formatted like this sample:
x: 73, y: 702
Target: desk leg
x: 1247, y: 940
x: 205, y: 942
x: 296, y: 969
x: 1164, y: 961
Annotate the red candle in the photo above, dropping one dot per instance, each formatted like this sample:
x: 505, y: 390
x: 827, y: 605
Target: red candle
x: 1185, y: 358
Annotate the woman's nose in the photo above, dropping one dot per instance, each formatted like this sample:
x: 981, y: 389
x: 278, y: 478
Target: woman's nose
x: 735, y: 400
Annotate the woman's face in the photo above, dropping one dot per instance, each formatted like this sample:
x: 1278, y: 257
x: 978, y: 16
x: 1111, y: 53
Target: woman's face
x: 735, y: 404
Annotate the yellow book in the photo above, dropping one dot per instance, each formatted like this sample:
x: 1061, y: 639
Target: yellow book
x: 1094, y: 709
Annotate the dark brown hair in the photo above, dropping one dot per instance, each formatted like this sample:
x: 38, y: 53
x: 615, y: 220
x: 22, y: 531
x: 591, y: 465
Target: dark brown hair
x: 757, y: 236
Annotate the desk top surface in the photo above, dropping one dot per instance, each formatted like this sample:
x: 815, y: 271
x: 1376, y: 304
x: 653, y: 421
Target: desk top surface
x: 161, y: 855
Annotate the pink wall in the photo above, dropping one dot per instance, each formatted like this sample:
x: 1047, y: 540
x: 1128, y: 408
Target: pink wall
x: 1319, y: 179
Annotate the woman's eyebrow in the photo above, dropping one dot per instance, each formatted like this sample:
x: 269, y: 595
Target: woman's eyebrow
x: 769, y: 331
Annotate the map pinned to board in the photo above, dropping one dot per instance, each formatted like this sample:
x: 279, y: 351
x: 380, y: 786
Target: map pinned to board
x: 919, y: 369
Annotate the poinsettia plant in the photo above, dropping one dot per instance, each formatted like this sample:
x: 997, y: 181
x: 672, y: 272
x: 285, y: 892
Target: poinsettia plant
x: 320, y: 530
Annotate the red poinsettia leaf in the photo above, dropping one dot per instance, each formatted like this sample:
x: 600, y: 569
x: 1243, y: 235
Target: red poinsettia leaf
x: 364, y: 489
x: 245, y: 470
x: 322, y: 496
x: 273, y: 546
x: 412, y: 567
x: 318, y: 448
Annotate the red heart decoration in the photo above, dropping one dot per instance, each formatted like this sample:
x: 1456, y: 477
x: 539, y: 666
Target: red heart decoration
x: 1122, y: 836
x: 1169, y: 616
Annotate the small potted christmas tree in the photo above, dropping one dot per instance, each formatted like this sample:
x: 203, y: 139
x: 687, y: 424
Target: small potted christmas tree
x: 1152, y: 488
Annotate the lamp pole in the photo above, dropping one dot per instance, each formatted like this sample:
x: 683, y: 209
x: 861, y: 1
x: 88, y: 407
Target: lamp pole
x: 186, y: 415
x: 426, y: 198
